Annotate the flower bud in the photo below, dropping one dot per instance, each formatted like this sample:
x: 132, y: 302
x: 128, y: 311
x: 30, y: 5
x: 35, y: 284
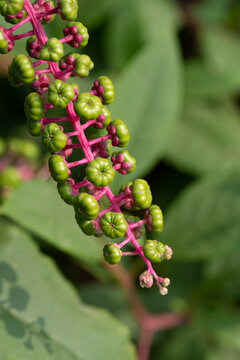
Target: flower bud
x: 146, y: 280
x: 163, y: 290
x: 166, y: 282
x: 168, y: 253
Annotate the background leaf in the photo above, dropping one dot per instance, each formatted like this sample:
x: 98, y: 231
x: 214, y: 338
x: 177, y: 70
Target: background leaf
x: 203, y: 223
x: 42, y: 317
x: 37, y: 206
x: 148, y: 97
x: 207, y: 139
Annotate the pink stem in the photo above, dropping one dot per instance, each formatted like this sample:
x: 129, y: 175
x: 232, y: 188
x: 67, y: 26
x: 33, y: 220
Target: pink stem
x: 124, y: 201
x: 38, y: 63
x: 136, y: 224
x: 66, y: 39
x: 101, y: 213
x: 48, y: 106
x: 101, y: 194
x: 102, y: 138
x: 73, y: 133
x: 130, y: 253
x: 123, y: 243
x: 88, y: 123
x: 76, y: 163
x: 72, y: 146
x: 43, y: 71
x: 20, y: 36
x: 53, y: 120
x: 80, y: 184
x: 16, y: 26
x: 49, y: 12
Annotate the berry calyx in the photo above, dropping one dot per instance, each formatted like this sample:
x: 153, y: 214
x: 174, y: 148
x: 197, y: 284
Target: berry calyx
x: 100, y: 172
x: 60, y: 93
x: 113, y: 225
x: 87, y: 106
x: 52, y: 50
x: 53, y: 138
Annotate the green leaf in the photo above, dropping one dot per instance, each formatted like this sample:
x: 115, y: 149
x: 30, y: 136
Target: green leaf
x: 92, y: 13
x: 207, y: 139
x: 122, y: 35
x: 135, y: 24
x: 203, y: 223
x: 217, y: 75
x: 111, y: 298
x: 148, y: 95
x: 183, y: 344
x: 220, y: 324
x: 211, y: 12
x: 37, y: 206
x: 42, y: 317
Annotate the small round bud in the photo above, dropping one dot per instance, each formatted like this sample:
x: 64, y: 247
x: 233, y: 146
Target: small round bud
x: 146, y: 280
x: 163, y: 290
x: 166, y: 282
x: 168, y: 253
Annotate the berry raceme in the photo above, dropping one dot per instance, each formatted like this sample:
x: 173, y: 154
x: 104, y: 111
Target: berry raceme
x: 97, y: 210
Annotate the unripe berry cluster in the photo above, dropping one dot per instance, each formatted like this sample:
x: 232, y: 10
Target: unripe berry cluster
x: 90, y: 194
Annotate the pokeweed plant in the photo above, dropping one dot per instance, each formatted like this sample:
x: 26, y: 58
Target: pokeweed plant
x: 97, y: 210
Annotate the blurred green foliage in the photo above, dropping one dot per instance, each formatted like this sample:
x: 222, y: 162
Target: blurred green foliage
x: 175, y: 67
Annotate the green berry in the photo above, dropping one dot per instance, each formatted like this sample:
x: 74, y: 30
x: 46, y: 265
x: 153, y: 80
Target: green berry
x: 34, y: 107
x: 141, y: 194
x: 87, y: 227
x: 81, y: 30
x: 87, y: 106
x: 68, y: 9
x: 60, y: 93
x: 34, y: 128
x: 108, y: 95
x: 82, y: 65
x: 53, y: 138
x: 119, y: 131
x: 112, y: 254
x: 58, y: 168
x: 64, y: 190
x: 106, y: 113
x: 10, y: 7
x: 85, y: 206
x: 154, y: 250
x: 34, y: 110
x: 52, y: 50
x: 3, y: 43
x: 20, y: 71
x: 100, y: 172
x: 113, y: 225
x: 154, y: 218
